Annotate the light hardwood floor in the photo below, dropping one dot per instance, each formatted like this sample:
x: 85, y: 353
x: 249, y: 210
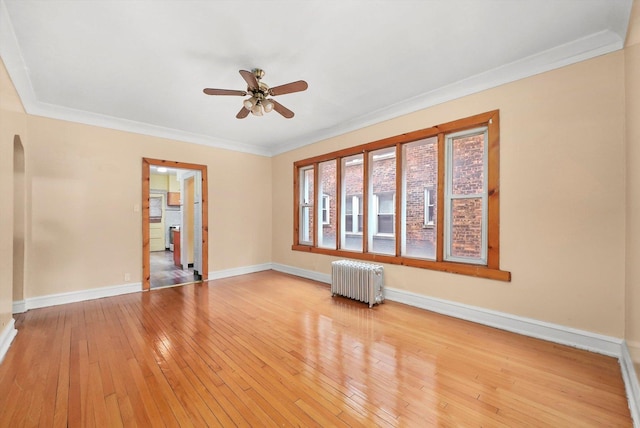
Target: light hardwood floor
x: 269, y: 349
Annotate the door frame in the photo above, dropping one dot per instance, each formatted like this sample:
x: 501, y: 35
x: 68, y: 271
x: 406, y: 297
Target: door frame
x: 146, y: 256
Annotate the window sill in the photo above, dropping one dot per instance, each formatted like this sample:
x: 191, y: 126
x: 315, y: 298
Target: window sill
x: 451, y: 267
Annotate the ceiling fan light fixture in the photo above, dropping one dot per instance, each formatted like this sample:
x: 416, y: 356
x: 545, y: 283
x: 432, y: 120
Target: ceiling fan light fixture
x: 257, y: 110
x: 249, y: 103
x: 259, y: 92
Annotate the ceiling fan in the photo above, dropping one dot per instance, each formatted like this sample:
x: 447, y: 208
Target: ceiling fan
x: 259, y: 101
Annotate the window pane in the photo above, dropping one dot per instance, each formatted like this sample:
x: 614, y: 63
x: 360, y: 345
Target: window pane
x: 466, y: 198
x: 385, y: 202
x: 420, y: 170
x: 429, y: 206
x: 155, y: 207
x: 382, y: 181
x: 327, y: 188
x: 306, y: 206
x: 352, y: 177
x: 468, y: 165
x: 466, y: 228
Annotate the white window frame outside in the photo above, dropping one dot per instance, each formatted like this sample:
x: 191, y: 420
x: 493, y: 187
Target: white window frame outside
x: 355, y: 212
x: 324, y: 210
x: 376, y: 197
x: 429, y: 221
x: 449, y: 197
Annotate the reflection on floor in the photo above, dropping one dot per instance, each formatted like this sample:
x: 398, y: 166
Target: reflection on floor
x: 164, y: 272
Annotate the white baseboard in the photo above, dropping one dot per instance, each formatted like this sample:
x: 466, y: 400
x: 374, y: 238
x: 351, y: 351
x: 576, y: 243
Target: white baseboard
x: 227, y: 273
x: 594, y: 342
x: 581, y: 339
x: 74, y: 296
x: 6, y: 337
x: 316, y: 276
x: 21, y: 306
x: 631, y: 384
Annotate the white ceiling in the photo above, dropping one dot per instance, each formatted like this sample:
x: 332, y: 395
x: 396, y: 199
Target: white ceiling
x: 141, y: 66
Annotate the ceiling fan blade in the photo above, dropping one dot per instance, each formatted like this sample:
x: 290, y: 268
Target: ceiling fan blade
x: 298, y: 86
x: 282, y: 109
x: 250, y: 78
x: 211, y: 91
x: 242, y: 113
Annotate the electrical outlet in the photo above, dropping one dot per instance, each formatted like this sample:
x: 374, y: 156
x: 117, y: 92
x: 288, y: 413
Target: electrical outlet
x: 127, y: 276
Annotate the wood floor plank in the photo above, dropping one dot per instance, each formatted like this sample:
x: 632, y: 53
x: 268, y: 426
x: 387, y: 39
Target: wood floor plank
x: 270, y: 349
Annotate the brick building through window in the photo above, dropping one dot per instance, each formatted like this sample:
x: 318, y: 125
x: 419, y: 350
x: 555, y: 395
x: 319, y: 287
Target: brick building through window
x: 417, y: 200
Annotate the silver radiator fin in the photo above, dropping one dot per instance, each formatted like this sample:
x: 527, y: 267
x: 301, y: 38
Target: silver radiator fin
x: 357, y: 280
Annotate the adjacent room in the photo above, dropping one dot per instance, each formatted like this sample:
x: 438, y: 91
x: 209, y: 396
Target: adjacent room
x: 356, y: 213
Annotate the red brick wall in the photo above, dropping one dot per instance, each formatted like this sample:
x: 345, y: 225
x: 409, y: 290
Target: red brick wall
x: 421, y: 172
x: 468, y: 178
x: 421, y: 166
x: 328, y: 179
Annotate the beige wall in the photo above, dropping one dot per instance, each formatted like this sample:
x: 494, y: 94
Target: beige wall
x: 562, y: 198
x: 562, y: 207
x: 85, y: 183
x: 632, y: 79
x: 83, y: 196
x: 12, y: 123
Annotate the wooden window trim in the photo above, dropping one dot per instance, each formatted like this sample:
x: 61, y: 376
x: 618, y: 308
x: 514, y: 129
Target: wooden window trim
x: 491, y: 270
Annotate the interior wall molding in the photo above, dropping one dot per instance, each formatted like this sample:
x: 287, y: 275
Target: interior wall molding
x: 74, y: 296
x: 21, y: 306
x: 227, y: 273
x: 588, y: 47
x: 581, y: 339
x: 9, y: 332
x: 631, y: 383
x: 304, y: 273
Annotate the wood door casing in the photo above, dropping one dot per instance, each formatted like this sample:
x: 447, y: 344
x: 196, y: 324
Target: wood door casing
x: 146, y: 262
x: 189, y: 220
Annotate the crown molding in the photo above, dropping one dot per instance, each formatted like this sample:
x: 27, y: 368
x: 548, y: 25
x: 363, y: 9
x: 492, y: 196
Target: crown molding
x: 597, y: 44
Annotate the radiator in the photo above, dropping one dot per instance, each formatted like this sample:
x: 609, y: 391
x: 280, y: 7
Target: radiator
x: 356, y: 280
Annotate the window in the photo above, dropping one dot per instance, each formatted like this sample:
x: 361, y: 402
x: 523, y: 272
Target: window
x: 385, y: 213
x: 327, y: 188
x: 325, y: 209
x: 429, y: 206
x: 466, y: 197
x: 420, y: 172
x: 155, y: 210
x: 353, y: 214
x: 306, y: 205
x: 428, y: 199
x: 352, y: 200
x: 382, y: 205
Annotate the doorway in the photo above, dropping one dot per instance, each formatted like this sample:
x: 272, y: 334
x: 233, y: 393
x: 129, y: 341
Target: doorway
x: 186, y: 240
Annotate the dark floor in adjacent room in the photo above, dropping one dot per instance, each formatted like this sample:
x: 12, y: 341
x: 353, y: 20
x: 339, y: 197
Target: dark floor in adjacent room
x: 164, y: 272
